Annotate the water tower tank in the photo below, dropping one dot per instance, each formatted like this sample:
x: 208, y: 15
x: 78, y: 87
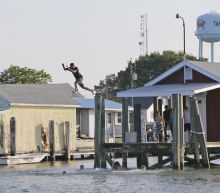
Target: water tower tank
x: 208, y: 27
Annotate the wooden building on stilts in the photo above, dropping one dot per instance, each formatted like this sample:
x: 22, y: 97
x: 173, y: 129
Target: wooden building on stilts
x: 193, y: 84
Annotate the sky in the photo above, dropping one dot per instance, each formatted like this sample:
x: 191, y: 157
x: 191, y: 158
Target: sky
x: 99, y: 36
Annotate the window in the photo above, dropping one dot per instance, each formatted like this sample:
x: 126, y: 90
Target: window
x: 109, y: 118
x: 131, y: 118
x: 118, y: 118
x: 188, y: 73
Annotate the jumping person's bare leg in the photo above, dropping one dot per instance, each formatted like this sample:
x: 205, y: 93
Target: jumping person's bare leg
x: 76, y: 89
x: 86, y: 88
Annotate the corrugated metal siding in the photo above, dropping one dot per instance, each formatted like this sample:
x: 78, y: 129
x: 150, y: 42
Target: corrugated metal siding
x: 28, y: 126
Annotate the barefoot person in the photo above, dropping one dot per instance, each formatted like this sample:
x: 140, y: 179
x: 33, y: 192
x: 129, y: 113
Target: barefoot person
x: 78, y: 76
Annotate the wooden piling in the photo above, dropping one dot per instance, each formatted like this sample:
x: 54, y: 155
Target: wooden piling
x: 2, y: 136
x: 198, y: 133
x: 159, y: 106
x: 102, y: 140
x: 155, y: 105
x: 124, y: 129
x: 178, y: 135
x: 52, y: 140
x: 97, y: 134
x: 181, y: 133
x: 137, y: 128
x: 12, y: 136
x: 67, y: 148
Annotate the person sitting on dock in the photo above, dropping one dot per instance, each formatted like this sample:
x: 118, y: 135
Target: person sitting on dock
x: 159, y: 126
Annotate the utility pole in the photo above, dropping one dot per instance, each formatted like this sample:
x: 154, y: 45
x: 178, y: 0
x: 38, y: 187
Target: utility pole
x: 132, y: 85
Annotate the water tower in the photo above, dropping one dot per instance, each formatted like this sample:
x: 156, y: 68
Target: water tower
x: 208, y: 30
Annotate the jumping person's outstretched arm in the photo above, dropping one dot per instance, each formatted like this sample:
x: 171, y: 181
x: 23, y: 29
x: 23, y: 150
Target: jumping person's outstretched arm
x: 69, y: 69
x: 64, y: 67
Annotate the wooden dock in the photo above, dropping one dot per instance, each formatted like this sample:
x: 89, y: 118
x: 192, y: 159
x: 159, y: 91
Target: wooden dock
x: 176, y: 152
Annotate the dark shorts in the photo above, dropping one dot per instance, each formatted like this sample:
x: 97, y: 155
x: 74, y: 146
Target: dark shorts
x: 79, y: 80
x: 187, y: 127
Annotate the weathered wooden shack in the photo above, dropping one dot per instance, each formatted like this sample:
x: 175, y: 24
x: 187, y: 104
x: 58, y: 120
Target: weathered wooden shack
x: 33, y: 106
x: 189, y: 78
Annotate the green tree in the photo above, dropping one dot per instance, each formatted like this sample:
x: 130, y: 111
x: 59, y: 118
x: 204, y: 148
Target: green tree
x: 146, y: 67
x: 24, y: 75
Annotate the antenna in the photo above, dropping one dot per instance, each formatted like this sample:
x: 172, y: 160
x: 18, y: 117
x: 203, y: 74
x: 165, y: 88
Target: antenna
x: 143, y: 43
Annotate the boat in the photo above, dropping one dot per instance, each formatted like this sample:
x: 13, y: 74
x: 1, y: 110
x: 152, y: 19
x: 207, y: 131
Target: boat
x: 27, y: 158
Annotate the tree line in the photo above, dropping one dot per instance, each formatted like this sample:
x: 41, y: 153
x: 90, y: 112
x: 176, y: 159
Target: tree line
x: 146, y: 67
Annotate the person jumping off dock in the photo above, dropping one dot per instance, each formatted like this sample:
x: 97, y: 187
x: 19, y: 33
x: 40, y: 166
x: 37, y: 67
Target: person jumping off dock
x: 78, y: 76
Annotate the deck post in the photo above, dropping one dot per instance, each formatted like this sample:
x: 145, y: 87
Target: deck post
x: 155, y: 105
x: 97, y: 137
x: 52, y: 140
x: 67, y: 148
x: 12, y: 136
x: 159, y: 106
x: 181, y: 125
x: 2, y: 137
x: 124, y: 129
x: 137, y: 128
x: 178, y: 140
x: 197, y: 129
x: 102, y: 150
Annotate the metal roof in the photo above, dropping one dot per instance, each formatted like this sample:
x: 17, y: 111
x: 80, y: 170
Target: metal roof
x: 4, y: 104
x: 211, y: 70
x: 169, y: 89
x: 39, y: 94
x: 86, y: 103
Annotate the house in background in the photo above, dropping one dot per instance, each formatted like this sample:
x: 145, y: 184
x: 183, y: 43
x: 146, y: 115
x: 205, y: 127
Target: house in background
x: 189, y: 78
x: 86, y: 118
x: 33, y: 106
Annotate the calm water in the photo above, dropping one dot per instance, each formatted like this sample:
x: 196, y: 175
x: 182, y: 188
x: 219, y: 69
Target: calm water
x: 47, y: 177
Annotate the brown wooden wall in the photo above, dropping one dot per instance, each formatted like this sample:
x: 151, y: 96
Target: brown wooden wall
x: 178, y: 78
x: 175, y: 78
x: 213, y: 115
x: 199, y: 78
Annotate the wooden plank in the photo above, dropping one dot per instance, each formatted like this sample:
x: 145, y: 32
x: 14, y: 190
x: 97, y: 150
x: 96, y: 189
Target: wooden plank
x: 12, y: 136
x: 212, y: 144
x: 52, y: 140
x: 161, y: 163
x: 109, y: 160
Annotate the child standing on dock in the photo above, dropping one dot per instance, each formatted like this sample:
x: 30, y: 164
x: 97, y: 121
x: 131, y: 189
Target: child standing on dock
x: 159, y: 126
x: 187, y: 124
